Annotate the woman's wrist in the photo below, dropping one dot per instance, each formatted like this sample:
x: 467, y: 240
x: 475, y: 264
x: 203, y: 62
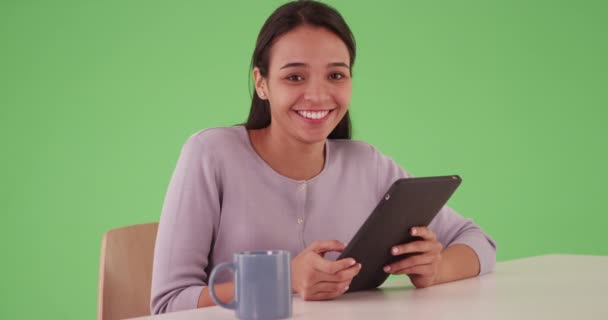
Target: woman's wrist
x: 457, y: 262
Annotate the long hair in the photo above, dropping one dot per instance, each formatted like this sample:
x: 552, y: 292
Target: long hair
x: 284, y: 19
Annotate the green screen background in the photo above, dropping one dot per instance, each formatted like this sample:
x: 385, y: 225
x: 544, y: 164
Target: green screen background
x: 97, y: 98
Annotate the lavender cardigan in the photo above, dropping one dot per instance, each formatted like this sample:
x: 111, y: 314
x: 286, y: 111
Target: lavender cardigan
x: 223, y: 198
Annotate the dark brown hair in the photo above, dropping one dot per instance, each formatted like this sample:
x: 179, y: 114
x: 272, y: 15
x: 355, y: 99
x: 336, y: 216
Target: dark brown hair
x: 284, y: 19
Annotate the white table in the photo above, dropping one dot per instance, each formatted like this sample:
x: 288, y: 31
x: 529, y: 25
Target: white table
x: 545, y: 287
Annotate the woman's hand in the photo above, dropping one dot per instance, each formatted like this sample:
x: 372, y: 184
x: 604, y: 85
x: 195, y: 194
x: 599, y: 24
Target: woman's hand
x: 316, y: 278
x: 423, y: 266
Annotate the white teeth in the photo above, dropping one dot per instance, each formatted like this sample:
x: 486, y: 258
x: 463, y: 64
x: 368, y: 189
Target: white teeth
x: 313, y: 114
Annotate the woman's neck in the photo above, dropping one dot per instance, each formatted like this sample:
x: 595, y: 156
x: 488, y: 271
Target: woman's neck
x: 287, y: 156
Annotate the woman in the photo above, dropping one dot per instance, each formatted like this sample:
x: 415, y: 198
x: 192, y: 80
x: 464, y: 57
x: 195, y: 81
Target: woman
x: 292, y: 179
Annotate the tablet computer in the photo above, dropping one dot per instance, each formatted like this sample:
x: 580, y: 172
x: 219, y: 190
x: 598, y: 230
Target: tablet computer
x: 409, y: 202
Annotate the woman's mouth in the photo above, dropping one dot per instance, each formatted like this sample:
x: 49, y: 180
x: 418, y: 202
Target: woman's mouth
x: 314, y: 116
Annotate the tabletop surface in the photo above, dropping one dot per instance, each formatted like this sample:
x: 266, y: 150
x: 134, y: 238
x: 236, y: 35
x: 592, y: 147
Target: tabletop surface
x: 543, y: 287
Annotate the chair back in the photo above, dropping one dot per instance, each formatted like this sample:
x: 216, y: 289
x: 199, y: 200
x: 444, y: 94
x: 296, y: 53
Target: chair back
x: 125, y: 272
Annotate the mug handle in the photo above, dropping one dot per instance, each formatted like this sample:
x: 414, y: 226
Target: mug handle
x: 214, y: 272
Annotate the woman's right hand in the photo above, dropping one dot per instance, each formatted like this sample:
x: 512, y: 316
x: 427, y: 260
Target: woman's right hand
x: 316, y: 278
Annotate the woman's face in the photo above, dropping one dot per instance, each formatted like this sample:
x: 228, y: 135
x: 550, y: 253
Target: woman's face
x: 308, y: 83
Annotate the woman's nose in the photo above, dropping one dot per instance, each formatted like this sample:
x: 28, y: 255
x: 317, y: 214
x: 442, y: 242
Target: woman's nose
x: 317, y: 92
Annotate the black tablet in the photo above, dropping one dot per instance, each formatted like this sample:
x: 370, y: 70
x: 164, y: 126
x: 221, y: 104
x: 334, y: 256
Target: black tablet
x: 409, y: 202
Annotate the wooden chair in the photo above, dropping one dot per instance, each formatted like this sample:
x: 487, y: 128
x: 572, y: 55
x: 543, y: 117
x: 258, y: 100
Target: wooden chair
x: 125, y: 272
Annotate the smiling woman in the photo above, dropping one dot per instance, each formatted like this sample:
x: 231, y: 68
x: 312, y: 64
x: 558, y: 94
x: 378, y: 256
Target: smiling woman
x: 292, y: 179
x: 307, y: 82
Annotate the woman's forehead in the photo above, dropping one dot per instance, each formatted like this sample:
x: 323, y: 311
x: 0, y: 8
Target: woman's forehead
x: 310, y: 46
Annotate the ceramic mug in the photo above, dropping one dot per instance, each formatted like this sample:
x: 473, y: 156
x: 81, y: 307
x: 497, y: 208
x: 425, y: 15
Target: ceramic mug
x: 262, y: 284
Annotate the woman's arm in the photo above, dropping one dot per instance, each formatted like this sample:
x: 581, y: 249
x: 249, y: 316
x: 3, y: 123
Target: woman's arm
x: 188, y: 221
x: 453, y: 231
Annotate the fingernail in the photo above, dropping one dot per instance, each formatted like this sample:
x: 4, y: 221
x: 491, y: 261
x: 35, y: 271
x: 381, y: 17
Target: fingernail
x: 413, y: 231
x: 359, y: 266
x: 387, y: 268
x: 346, y: 289
x: 395, y: 250
x: 352, y: 262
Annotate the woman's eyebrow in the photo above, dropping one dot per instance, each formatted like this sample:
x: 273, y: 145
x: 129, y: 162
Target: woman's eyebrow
x: 338, y: 64
x: 294, y: 64
x: 302, y: 64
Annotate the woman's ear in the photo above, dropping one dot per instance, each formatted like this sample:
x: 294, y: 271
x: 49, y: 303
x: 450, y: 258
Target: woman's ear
x: 260, y: 84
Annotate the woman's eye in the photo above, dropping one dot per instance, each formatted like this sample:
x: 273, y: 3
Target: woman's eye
x: 336, y: 76
x: 295, y: 77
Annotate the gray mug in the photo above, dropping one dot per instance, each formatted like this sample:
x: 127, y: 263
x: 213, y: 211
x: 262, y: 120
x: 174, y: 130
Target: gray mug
x: 262, y: 284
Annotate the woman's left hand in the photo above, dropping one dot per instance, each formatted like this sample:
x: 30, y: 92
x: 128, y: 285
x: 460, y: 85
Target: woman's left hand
x: 423, y: 266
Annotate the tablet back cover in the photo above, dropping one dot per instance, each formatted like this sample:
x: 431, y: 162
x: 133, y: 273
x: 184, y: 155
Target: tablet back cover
x: 409, y: 202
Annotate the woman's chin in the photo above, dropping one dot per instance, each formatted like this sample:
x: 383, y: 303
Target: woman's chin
x: 313, y: 136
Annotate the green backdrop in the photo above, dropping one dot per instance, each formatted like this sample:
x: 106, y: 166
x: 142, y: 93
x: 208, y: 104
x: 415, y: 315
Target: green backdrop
x: 97, y: 98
